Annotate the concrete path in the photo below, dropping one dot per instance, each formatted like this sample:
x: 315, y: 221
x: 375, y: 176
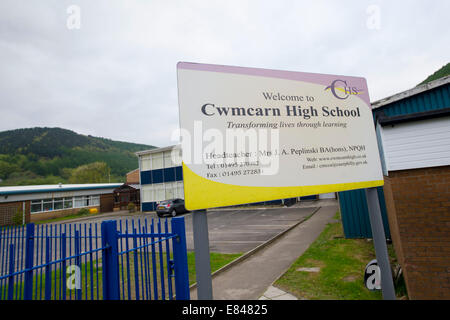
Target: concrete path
x: 250, y: 279
x: 273, y: 293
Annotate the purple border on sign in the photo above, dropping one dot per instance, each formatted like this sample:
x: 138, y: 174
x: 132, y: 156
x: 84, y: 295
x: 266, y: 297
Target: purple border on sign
x: 323, y: 79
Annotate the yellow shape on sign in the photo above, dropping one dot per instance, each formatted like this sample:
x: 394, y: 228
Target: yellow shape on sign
x: 202, y: 193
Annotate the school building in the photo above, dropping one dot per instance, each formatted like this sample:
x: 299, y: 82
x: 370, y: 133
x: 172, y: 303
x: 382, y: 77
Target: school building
x: 40, y: 202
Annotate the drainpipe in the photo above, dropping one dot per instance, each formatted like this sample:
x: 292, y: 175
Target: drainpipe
x: 23, y: 212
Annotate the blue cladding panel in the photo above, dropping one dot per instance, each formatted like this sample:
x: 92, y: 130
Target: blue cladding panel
x: 383, y: 212
x: 434, y: 99
x: 169, y: 174
x: 146, y: 177
x: 148, y: 206
x: 158, y: 176
x: 355, y: 214
x: 162, y: 175
x: 179, y: 173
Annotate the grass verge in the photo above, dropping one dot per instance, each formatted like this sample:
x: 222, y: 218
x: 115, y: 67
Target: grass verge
x: 341, y: 262
x: 92, y: 284
x: 218, y: 260
x: 68, y: 217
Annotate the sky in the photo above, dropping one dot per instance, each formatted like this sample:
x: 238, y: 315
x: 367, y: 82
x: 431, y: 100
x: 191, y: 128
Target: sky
x: 108, y: 68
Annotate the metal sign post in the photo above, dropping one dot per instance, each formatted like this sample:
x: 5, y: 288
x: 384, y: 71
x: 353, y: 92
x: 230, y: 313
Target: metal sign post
x: 202, y: 257
x: 379, y: 241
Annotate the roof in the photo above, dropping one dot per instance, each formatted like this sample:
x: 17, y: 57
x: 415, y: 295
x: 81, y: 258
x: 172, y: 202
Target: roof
x: 427, y: 101
x: 411, y: 92
x: 156, y: 150
x: 137, y: 169
x: 128, y: 185
x: 56, y: 188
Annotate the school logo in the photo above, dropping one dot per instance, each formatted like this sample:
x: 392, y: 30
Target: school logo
x: 341, y: 90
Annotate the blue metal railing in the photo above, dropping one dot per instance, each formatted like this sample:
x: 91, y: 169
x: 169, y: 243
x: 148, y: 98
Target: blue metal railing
x: 147, y: 261
x: 92, y: 262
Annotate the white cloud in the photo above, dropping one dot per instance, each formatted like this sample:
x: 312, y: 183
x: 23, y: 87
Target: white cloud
x: 116, y: 76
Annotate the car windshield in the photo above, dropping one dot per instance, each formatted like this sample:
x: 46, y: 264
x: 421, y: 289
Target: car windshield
x: 165, y: 202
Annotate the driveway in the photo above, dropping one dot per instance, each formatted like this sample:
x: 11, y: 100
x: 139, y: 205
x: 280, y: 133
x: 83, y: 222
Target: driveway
x: 239, y: 231
x: 230, y: 231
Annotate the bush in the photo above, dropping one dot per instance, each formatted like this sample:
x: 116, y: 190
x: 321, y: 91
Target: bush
x: 131, y: 207
x: 83, y: 211
x: 17, y: 219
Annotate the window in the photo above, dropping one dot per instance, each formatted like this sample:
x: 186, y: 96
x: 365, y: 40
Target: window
x: 47, y: 205
x: 170, y: 190
x: 68, y: 203
x: 159, y: 192
x: 168, y: 163
x: 86, y: 201
x: 175, y: 190
x: 95, y: 200
x: 58, y: 204
x: 180, y: 190
x: 148, y: 193
x: 78, y: 202
x: 146, y: 163
x: 176, y: 156
x: 157, y: 161
x: 36, y: 206
x: 64, y: 203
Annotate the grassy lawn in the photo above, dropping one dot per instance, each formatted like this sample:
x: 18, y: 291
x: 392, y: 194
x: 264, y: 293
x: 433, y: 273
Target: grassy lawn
x: 341, y: 262
x: 91, y: 276
x: 218, y: 260
x: 76, y: 216
x: 68, y: 217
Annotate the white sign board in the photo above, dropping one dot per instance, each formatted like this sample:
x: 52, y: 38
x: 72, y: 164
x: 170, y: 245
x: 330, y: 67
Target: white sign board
x: 251, y: 135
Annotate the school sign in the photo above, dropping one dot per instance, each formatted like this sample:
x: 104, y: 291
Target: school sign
x: 251, y: 135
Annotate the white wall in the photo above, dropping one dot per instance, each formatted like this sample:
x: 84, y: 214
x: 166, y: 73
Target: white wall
x: 160, y: 159
x: 162, y: 191
x: 331, y: 195
x: 417, y: 144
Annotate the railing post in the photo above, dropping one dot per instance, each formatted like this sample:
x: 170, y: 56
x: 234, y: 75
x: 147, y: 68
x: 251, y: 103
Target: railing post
x: 77, y: 245
x: 110, y: 261
x: 180, y: 259
x: 29, y: 255
x: 48, y: 269
x: 63, y: 266
x: 11, y: 271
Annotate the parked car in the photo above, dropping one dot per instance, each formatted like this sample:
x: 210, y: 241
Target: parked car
x: 171, y: 207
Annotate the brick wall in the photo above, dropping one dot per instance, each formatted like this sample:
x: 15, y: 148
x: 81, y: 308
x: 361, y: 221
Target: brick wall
x: 133, y: 177
x: 418, y: 204
x: 8, y: 211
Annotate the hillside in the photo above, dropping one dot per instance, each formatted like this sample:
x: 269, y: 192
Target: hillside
x: 442, y: 72
x: 50, y: 155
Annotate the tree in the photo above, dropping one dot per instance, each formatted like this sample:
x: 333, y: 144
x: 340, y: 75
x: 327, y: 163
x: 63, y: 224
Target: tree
x: 7, y: 168
x: 95, y: 172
